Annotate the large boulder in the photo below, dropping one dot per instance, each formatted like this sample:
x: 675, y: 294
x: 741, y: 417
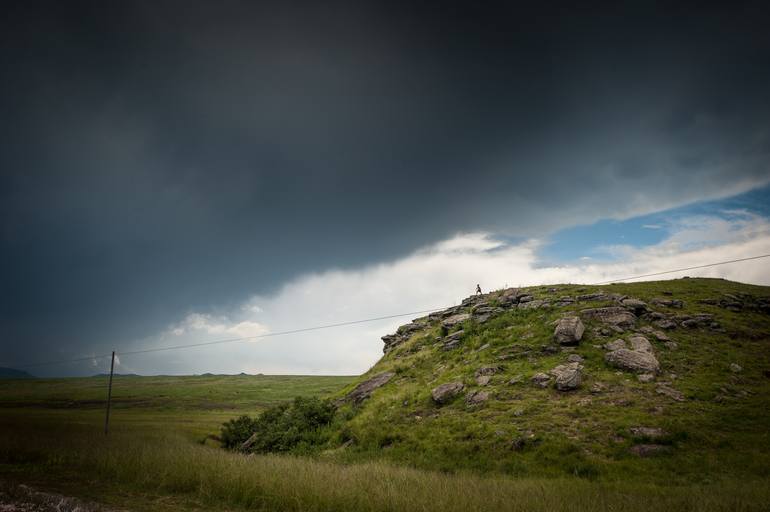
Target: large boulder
x: 569, y: 331
x: 632, y: 360
x: 455, y: 320
x: 364, y: 390
x: 637, y: 306
x: 568, y: 376
x: 613, y: 315
x: 446, y: 392
x: 640, y: 344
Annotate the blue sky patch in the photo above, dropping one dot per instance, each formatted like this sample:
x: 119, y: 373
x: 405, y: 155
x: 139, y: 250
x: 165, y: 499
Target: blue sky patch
x: 591, y: 241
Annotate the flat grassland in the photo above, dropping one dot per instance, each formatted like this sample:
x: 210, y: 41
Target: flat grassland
x: 158, y: 457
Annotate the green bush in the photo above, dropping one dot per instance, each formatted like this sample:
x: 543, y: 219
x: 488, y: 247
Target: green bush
x: 236, y: 431
x: 296, y: 426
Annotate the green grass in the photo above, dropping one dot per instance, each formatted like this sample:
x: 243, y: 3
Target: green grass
x: 158, y: 469
x: 525, y: 449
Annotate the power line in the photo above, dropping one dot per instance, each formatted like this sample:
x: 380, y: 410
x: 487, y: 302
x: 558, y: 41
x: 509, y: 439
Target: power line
x: 233, y: 340
x: 681, y: 269
x: 351, y: 322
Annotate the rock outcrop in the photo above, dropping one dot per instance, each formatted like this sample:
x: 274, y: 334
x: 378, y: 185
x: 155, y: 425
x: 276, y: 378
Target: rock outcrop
x: 569, y: 331
x: 613, y: 315
x: 364, y: 390
x: 446, y: 392
x: 633, y: 361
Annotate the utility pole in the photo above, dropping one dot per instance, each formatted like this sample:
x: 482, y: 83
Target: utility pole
x: 109, y: 396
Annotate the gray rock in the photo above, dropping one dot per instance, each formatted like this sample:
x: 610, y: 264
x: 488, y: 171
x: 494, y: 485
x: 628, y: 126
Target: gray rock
x: 451, y: 344
x: 646, y: 377
x: 477, y: 397
x: 735, y: 368
x: 666, y: 390
x: 574, y: 358
x: 658, y: 335
x: 637, y: 306
x: 488, y: 370
x: 671, y: 345
x: 615, y: 345
x: 446, y: 392
x: 541, y: 380
x: 615, y: 316
x: 533, y: 304
x: 648, y: 432
x: 569, y: 331
x: 455, y: 320
x: 666, y: 324
x: 568, y: 376
x: 648, y: 450
x: 640, y: 344
x: 483, y: 380
x: 455, y: 336
x: 364, y: 390
x: 632, y: 360
x: 409, y: 328
x: 592, y: 296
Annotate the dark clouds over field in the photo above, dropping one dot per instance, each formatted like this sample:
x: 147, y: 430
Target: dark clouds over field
x: 161, y: 157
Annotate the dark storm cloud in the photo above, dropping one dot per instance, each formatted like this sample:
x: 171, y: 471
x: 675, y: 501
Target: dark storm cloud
x: 158, y: 157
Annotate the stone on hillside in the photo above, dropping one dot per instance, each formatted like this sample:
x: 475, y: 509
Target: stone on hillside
x: 671, y: 345
x: 736, y: 368
x: 455, y: 320
x: 409, y: 328
x: 477, y: 397
x: 631, y: 360
x: 365, y: 389
x: 574, y: 358
x: 541, y: 380
x: 455, y: 336
x: 568, y: 376
x: 666, y: 324
x: 640, y: 344
x: 483, y: 380
x: 446, y: 392
x: 645, y: 378
x: 666, y: 390
x: 648, y: 432
x: 488, y: 370
x: 533, y: 304
x: 658, y: 335
x: 614, y: 315
x: 615, y: 345
x: 569, y: 331
x: 526, y: 298
x: 648, y: 450
x: 451, y: 344
x: 637, y: 306
x: 669, y: 303
x: 592, y: 296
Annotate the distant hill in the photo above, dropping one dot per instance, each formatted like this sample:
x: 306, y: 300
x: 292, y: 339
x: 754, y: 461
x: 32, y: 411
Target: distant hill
x: 12, y: 373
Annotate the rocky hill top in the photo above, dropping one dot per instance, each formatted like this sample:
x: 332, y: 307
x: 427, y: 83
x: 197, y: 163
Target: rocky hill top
x: 621, y: 379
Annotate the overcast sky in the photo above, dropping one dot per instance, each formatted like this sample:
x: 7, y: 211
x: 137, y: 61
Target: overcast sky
x: 174, y: 172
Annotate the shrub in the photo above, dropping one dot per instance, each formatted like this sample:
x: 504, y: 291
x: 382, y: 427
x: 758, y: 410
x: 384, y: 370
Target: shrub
x: 236, y: 431
x: 296, y: 426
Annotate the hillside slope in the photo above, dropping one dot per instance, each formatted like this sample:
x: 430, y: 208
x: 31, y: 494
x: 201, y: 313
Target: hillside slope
x: 668, y: 382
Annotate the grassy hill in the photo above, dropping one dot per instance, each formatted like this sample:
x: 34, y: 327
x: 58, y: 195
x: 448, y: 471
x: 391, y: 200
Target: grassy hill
x: 703, y: 416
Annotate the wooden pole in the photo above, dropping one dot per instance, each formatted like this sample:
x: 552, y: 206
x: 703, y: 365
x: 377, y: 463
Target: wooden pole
x: 109, y: 396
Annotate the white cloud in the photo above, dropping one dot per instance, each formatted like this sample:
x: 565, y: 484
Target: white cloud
x: 436, y: 276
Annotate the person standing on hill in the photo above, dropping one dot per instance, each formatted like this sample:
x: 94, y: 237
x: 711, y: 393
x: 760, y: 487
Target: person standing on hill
x: 478, y: 289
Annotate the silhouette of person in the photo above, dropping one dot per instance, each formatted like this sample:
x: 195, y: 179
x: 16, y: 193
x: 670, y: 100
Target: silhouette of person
x: 478, y: 289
